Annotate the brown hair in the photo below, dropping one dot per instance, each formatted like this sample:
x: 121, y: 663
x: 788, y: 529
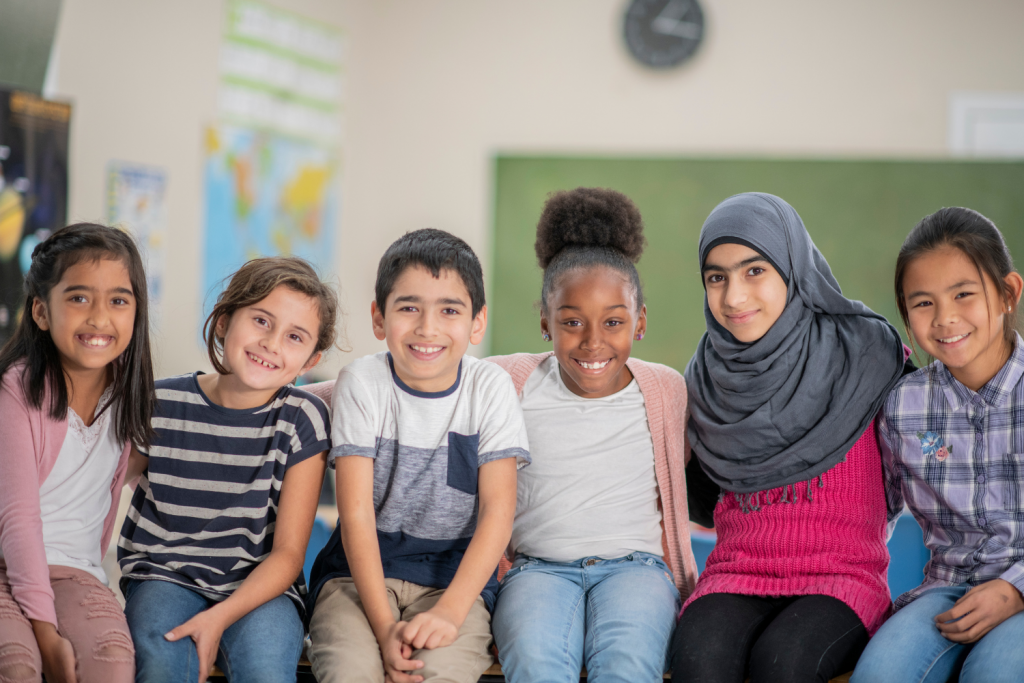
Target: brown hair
x: 977, y: 238
x: 254, y: 282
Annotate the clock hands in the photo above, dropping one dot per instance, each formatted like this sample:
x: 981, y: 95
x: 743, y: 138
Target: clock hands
x: 670, y: 21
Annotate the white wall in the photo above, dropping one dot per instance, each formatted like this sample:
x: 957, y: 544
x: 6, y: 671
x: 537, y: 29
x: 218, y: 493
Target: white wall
x: 434, y: 88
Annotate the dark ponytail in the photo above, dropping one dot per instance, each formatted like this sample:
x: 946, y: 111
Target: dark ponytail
x: 133, y: 392
x: 973, y: 235
x: 588, y: 227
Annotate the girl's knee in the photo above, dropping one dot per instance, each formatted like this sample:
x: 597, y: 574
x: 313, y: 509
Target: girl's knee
x: 19, y: 664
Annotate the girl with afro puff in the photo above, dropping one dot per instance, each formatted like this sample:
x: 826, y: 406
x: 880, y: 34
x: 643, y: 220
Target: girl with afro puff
x: 600, y: 546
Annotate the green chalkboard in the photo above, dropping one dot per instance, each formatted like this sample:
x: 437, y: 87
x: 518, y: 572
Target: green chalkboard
x: 857, y: 212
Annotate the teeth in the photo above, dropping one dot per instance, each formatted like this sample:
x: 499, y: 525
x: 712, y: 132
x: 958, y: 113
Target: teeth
x: 427, y: 349
x: 950, y: 340
x: 97, y: 341
x: 261, y: 362
x: 593, y: 366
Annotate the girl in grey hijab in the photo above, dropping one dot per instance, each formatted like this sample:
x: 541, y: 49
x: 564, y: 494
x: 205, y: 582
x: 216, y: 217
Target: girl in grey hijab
x: 782, y: 393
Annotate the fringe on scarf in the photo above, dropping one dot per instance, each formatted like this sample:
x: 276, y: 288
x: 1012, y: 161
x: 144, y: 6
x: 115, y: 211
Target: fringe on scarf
x: 790, y: 493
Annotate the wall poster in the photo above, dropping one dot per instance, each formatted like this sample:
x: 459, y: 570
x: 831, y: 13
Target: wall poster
x: 33, y: 189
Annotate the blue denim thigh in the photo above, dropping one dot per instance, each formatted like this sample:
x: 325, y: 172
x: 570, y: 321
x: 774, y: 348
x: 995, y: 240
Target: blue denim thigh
x: 999, y: 656
x: 539, y: 620
x: 909, y: 648
x: 631, y: 609
x: 264, y: 645
x: 153, y: 608
x: 615, y: 615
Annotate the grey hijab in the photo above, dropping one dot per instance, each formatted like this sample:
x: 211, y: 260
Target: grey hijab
x: 787, y: 407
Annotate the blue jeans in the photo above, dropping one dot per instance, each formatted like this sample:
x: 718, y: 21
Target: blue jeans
x: 613, y: 616
x: 264, y: 645
x: 910, y: 649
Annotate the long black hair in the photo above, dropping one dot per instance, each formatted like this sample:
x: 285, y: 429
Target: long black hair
x: 133, y: 392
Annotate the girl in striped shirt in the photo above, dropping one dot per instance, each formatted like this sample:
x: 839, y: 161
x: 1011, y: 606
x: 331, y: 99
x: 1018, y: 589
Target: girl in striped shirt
x: 952, y: 438
x: 212, y: 549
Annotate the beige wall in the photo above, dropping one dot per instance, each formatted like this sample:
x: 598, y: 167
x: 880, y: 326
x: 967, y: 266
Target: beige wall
x: 434, y: 88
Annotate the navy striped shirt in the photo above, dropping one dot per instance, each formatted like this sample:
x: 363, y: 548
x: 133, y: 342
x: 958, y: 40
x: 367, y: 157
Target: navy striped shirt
x: 204, y: 512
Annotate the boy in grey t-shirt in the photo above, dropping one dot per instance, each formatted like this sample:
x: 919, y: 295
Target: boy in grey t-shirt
x: 426, y: 443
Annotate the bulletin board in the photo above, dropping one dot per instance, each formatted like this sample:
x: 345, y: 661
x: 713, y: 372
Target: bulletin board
x: 857, y: 212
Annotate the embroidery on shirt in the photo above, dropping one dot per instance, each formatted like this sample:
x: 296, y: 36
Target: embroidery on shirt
x: 88, y: 436
x: 932, y: 444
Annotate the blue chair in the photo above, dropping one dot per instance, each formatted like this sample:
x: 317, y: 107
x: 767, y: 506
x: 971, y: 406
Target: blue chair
x: 907, y: 552
x: 317, y: 540
x: 908, y: 556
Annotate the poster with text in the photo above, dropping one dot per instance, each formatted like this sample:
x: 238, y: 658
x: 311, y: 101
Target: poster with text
x: 136, y: 202
x: 33, y: 189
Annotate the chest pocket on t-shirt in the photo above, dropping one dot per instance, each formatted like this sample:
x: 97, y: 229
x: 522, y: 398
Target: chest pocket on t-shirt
x: 462, y: 461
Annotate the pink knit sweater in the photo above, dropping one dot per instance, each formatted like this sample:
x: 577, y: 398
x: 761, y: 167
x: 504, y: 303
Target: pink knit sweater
x: 31, y: 441
x: 832, y: 545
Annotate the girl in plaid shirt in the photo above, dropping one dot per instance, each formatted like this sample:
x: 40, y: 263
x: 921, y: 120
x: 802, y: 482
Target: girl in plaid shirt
x: 953, y: 448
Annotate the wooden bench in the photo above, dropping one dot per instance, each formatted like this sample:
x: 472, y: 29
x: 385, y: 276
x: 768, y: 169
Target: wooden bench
x: 492, y: 675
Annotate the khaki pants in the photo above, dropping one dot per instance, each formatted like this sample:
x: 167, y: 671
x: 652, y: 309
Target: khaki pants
x: 344, y: 648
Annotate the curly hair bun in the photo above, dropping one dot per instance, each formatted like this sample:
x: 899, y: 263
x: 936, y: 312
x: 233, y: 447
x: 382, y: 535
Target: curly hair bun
x: 589, y: 217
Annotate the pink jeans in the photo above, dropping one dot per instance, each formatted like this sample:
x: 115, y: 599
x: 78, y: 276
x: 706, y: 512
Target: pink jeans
x: 88, y: 615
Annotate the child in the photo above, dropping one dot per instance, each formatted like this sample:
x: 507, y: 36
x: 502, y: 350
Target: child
x: 953, y: 446
x: 426, y: 445
x: 783, y: 392
x: 212, y: 549
x: 601, y: 521
x: 77, y: 390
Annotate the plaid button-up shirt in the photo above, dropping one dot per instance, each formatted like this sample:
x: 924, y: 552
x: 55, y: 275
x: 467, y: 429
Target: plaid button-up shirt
x: 956, y: 458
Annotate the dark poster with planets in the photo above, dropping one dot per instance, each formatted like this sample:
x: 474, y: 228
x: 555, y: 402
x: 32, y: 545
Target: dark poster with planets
x: 33, y: 189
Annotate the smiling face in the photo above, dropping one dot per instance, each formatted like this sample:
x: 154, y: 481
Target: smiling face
x: 592, y: 320
x: 428, y: 324
x: 956, y: 314
x: 745, y: 293
x: 266, y: 346
x: 90, y: 315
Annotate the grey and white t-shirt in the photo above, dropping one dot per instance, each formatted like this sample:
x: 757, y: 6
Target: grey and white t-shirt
x: 427, y: 448
x: 591, y: 490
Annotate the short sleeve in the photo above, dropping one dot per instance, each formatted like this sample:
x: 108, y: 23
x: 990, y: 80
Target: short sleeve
x: 312, y: 423
x: 355, y: 421
x: 502, y: 428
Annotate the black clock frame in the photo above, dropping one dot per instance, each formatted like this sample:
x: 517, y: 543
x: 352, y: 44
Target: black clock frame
x: 662, y: 34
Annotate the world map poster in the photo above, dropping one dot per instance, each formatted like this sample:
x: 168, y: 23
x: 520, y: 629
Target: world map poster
x: 266, y: 195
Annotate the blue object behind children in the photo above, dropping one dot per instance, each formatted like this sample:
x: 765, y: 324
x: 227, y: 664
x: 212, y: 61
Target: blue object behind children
x: 907, y: 552
x: 906, y: 549
x: 317, y: 541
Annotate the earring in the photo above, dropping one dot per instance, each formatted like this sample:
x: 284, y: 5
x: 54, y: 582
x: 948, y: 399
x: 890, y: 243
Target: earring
x: 546, y: 337
x: 639, y: 336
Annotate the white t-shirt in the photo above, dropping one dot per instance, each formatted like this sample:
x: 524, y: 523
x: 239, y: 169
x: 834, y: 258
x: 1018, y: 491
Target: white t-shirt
x: 74, y: 500
x: 591, y: 489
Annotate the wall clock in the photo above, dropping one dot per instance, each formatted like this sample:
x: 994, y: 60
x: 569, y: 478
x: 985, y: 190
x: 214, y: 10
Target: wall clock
x: 663, y: 33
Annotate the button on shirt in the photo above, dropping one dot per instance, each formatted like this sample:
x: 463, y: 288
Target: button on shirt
x: 956, y: 458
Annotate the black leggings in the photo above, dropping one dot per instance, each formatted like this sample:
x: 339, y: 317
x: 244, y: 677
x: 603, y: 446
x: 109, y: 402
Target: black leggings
x: 723, y: 638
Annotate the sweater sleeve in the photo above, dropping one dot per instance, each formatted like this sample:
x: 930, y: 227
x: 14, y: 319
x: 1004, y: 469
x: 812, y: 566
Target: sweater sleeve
x: 21, y: 524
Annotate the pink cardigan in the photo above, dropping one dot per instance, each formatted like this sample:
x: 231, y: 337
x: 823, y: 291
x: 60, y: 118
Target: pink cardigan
x: 664, y: 393
x: 31, y: 441
x: 832, y: 545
